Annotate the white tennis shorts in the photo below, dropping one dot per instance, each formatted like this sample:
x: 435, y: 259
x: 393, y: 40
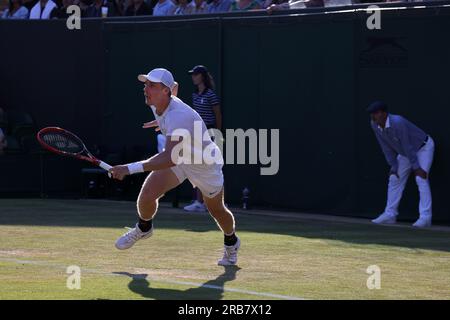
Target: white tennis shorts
x: 208, y: 178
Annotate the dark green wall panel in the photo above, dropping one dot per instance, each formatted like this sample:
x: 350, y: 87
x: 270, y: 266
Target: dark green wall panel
x: 309, y: 75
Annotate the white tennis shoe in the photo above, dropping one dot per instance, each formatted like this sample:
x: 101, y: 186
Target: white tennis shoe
x: 423, y: 222
x: 385, y: 218
x: 230, y: 254
x: 128, y: 239
x: 195, y: 206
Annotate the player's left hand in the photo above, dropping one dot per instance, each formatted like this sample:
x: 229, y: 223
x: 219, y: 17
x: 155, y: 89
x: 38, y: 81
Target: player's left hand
x: 119, y: 172
x: 151, y: 124
x: 421, y: 173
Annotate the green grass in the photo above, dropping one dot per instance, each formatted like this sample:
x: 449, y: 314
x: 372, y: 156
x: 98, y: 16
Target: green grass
x: 295, y: 257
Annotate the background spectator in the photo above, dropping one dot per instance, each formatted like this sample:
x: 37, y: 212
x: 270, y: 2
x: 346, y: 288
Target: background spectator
x: 61, y: 12
x: 244, y: 5
x: 164, y: 8
x: 200, y: 6
x: 184, y: 7
x: 15, y: 10
x: 84, y: 5
x: 138, y: 8
x: 94, y: 10
x: 375, y: 1
x: 116, y: 8
x: 268, y: 3
x: 29, y: 4
x: 293, y: 4
x: 42, y: 9
x: 217, y: 6
x: 3, y: 143
x: 151, y: 3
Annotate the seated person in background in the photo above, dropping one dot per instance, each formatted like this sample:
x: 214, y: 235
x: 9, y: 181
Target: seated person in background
x: 294, y: 4
x: 244, y: 5
x: 15, y: 10
x: 29, y: 4
x: 42, y: 9
x: 138, y: 8
x: 184, y: 7
x: 267, y: 3
x: 3, y: 143
x: 117, y: 7
x: 84, y: 5
x: 217, y: 6
x: 200, y: 6
x: 164, y: 8
x: 374, y: 1
x: 94, y: 10
x: 61, y: 12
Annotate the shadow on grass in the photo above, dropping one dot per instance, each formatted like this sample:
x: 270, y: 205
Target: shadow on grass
x: 100, y: 214
x: 210, y: 290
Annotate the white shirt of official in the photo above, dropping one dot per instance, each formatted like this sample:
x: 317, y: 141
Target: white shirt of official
x: 386, y: 125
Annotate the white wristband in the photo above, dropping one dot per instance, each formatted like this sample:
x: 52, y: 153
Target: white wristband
x: 136, y: 167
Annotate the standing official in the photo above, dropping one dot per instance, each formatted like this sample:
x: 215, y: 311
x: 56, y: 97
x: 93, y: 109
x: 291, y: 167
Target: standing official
x: 406, y: 148
x: 206, y: 102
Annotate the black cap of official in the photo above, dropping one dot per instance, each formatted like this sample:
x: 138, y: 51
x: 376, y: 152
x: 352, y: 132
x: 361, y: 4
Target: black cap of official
x: 376, y: 106
x: 198, y: 69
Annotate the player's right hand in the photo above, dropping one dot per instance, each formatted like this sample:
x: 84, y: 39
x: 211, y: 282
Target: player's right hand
x: 151, y: 124
x: 119, y: 172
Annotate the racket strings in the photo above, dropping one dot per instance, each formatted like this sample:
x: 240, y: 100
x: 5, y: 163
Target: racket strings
x: 62, y: 142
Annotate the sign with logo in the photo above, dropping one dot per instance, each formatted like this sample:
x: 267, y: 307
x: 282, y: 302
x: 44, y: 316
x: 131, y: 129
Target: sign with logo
x: 385, y: 52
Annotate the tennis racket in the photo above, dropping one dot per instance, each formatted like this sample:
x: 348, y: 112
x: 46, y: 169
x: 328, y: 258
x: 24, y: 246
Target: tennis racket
x: 65, y: 143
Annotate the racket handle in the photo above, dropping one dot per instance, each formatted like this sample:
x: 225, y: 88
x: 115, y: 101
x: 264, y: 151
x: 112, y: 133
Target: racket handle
x: 104, y: 166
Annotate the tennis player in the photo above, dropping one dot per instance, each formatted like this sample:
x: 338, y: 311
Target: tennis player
x: 169, y: 168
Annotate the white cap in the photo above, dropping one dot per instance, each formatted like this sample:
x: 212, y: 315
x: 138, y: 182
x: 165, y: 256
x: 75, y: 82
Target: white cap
x: 159, y: 75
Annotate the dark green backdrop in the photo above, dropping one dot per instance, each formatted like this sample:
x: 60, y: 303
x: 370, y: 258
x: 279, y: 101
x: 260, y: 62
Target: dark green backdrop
x: 309, y: 75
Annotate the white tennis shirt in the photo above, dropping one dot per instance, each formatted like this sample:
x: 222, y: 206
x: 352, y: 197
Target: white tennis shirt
x: 179, y: 119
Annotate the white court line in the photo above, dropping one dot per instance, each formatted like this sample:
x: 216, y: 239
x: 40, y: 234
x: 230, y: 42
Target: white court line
x: 185, y: 283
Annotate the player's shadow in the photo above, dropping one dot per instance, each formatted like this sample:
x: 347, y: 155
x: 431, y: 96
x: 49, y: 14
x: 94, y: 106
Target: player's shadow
x: 210, y: 290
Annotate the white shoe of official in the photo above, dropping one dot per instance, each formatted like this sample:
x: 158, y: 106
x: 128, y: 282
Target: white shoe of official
x: 385, y: 218
x: 230, y: 254
x: 196, y: 206
x: 423, y: 222
x: 133, y: 235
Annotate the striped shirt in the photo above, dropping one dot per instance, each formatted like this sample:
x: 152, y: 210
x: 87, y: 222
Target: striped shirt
x: 203, y: 103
